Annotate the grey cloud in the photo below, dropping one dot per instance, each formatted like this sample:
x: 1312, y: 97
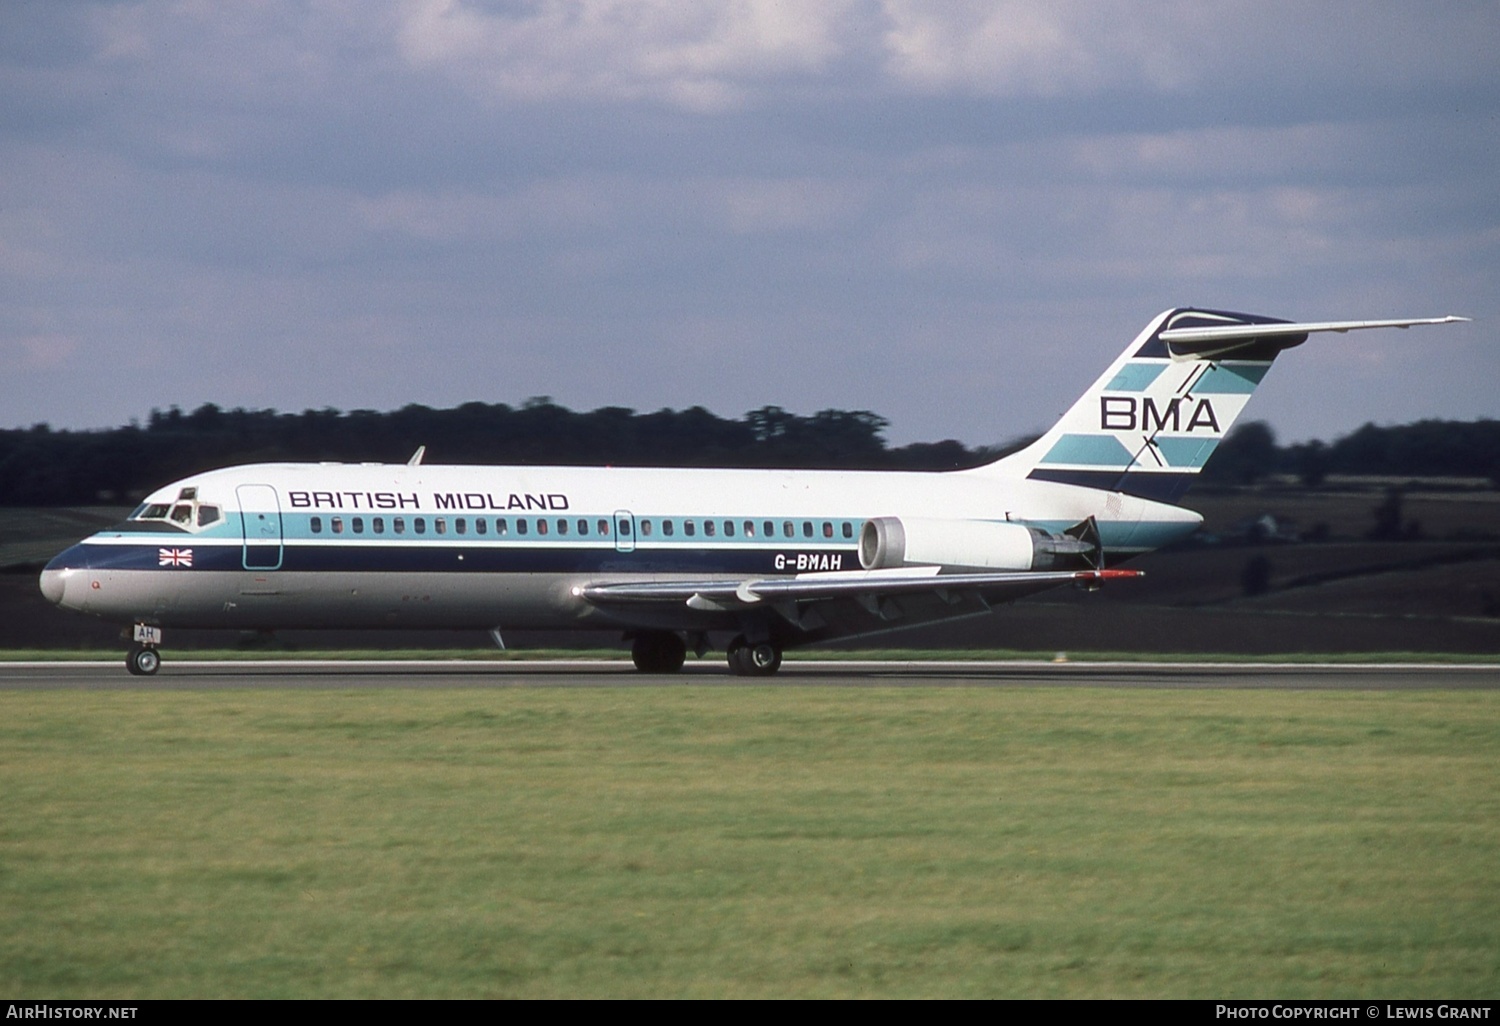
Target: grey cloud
x: 306, y: 204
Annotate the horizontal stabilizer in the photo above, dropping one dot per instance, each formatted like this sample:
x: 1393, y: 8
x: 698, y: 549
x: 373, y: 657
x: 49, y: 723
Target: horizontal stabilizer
x: 1187, y: 343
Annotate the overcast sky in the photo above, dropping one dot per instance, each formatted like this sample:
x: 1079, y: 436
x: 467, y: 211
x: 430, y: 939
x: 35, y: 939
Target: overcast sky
x: 954, y: 214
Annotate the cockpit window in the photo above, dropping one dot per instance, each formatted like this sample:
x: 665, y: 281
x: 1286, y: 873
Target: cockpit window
x: 185, y: 512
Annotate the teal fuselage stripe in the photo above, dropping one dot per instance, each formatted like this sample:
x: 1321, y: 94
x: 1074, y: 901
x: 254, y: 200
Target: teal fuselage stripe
x: 578, y: 528
x: 1117, y: 535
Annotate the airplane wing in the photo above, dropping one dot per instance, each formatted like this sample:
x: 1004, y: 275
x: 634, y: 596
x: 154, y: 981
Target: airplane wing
x: 865, y: 586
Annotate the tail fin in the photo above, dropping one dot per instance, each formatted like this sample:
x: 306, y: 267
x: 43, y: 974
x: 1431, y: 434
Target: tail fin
x: 1152, y: 420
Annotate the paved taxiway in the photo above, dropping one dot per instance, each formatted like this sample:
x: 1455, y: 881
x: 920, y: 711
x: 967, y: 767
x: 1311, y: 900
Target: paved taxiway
x: 189, y: 675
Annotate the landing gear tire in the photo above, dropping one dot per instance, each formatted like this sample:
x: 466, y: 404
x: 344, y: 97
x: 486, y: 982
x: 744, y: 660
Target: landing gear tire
x: 658, y: 652
x: 759, y: 660
x: 142, y: 661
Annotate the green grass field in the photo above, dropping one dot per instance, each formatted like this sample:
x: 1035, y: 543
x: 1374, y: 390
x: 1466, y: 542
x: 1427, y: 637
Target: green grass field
x: 750, y: 841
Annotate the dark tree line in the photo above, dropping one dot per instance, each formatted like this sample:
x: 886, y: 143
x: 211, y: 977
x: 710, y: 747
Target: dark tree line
x: 1428, y: 448
x: 39, y: 466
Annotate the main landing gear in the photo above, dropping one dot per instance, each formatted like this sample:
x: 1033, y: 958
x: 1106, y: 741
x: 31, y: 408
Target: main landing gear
x: 658, y: 651
x: 753, y: 660
x: 143, y: 659
x: 665, y: 651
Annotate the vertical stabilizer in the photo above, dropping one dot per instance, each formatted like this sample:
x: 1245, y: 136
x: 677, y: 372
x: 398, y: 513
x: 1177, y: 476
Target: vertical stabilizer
x: 1152, y: 420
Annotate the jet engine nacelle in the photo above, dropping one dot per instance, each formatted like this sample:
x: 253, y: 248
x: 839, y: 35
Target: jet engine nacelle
x: 967, y: 544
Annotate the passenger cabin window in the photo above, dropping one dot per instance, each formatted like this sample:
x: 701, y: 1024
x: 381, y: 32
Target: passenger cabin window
x: 666, y: 528
x: 786, y: 528
x: 603, y: 526
x: 502, y: 526
x: 827, y: 529
x: 583, y: 526
x: 316, y: 525
x: 770, y: 529
x: 689, y: 528
x: 541, y: 526
x: 337, y: 523
x: 646, y: 528
x: 440, y: 525
x: 562, y: 526
x: 848, y: 529
x: 708, y: 528
x: 481, y: 525
x: 398, y: 524
x: 729, y: 528
x: 378, y: 524
x: 807, y: 531
x: 358, y: 523
x: 460, y: 526
x: 520, y: 525
x: 419, y: 524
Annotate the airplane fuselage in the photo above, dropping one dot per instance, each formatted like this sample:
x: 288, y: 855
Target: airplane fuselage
x: 325, y: 545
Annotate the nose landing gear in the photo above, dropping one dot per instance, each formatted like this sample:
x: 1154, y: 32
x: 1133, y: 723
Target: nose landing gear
x: 143, y: 659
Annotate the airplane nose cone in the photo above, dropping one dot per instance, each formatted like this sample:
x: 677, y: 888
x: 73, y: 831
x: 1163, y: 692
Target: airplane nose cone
x: 56, y: 575
x: 53, y: 585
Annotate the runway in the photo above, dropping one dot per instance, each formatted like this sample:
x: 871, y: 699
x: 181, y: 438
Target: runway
x: 190, y: 675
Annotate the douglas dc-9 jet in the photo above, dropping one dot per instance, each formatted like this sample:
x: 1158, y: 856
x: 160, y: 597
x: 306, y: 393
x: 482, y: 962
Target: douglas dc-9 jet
x: 758, y: 561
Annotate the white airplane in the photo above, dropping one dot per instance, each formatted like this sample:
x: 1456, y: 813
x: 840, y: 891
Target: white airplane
x: 768, y: 559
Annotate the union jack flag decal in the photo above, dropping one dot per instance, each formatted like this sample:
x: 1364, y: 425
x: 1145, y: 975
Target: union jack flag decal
x: 174, y: 557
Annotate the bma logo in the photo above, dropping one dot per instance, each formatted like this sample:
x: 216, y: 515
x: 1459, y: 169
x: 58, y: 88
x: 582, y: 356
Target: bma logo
x: 1127, y: 413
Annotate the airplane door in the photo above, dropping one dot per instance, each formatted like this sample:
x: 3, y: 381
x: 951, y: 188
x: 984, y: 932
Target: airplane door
x: 624, y: 530
x: 260, y: 520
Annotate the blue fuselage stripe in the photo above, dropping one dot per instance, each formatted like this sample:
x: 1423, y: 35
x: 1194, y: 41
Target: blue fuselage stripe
x: 375, y: 557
